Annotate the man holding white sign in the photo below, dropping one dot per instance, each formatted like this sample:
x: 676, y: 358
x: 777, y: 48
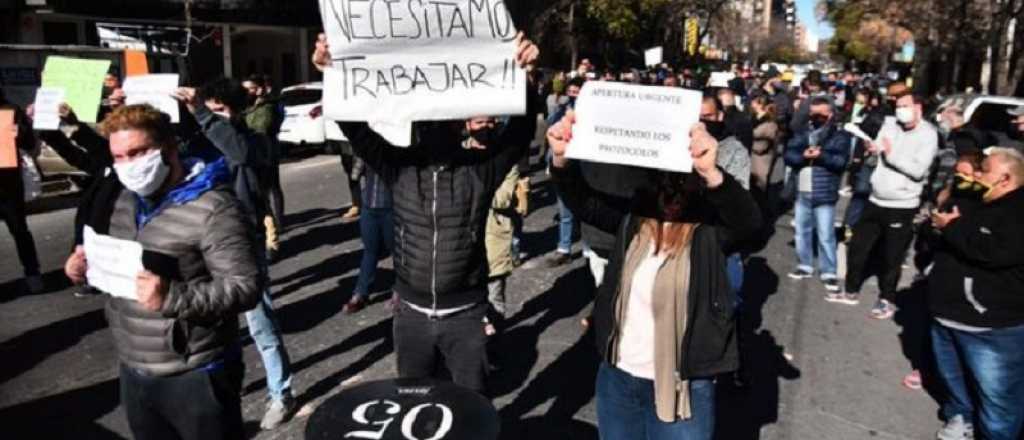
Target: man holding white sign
x: 175, y: 322
x: 442, y: 195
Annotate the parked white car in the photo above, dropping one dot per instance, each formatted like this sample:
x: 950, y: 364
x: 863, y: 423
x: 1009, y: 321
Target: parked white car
x: 304, y: 124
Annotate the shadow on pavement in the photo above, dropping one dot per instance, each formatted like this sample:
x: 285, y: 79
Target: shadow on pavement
x: 914, y: 319
x: 311, y: 274
x: 335, y: 232
x: 568, y: 380
x: 25, y: 351
x: 54, y: 281
x: 743, y: 411
x: 378, y: 332
x: 70, y: 414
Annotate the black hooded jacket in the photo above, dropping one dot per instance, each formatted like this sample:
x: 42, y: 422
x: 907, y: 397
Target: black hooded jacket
x: 442, y: 194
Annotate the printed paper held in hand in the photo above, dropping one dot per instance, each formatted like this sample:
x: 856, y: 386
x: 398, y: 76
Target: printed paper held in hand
x: 635, y: 125
x: 154, y: 90
x: 113, y: 264
x: 47, y: 108
x: 420, y: 61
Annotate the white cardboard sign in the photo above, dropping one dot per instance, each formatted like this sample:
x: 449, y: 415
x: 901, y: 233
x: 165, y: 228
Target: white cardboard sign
x: 47, y: 108
x: 113, y: 264
x: 721, y: 79
x: 653, y: 56
x: 400, y: 61
x: 635, y: 125
x: 155, y: 90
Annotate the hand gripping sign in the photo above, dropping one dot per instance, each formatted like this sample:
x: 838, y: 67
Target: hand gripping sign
x: 400, y: 61
x: 642, y: 126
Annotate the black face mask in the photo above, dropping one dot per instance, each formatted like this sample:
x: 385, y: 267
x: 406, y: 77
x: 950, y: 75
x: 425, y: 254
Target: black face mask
x: 818, y: 121
x: 483, y: 136
x: 572, y: 102
x: 716, y: 129
x: 1016, y: 134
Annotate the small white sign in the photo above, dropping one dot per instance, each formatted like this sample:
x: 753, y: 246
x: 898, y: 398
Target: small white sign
x: 721, y: 79
x: 653, y: 56
x: 113, y: 263
x: 47, y: 108
x: 635, y: 125
x: 154, y: 90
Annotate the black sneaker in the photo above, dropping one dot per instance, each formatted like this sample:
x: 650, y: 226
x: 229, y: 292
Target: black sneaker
x: 800, y: 274
x: 87, y: 292
x: 831, y: 285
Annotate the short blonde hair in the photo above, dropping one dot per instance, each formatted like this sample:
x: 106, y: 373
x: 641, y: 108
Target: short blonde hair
x: 1013, y: 159
x: 144, y: 118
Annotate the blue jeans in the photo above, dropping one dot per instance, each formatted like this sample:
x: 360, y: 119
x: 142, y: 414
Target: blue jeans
x: 267, y: 336
x: 734, y: 270
x: 377, y: 228
x: 811, y: 220
x: 625, y: 409
x: 992, y: 362
x: 565, y: 220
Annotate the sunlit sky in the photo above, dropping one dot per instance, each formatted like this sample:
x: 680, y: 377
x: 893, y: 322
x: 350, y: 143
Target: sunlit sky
x: 805, y: 10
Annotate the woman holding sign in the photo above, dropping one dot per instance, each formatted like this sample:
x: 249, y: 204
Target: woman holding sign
x: 663, y: 318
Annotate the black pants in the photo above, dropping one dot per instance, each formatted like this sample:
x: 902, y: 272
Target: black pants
x: 12, y: 209
x: 459, y: 339
x: 197, y: 405
x: 275, y: 197
x: 893, y: 230
x: 348, y: 162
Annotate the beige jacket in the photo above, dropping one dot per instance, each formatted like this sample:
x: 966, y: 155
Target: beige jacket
x: 498, y: 237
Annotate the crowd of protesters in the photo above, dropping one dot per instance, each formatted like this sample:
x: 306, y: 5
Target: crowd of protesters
x: 666, y: 251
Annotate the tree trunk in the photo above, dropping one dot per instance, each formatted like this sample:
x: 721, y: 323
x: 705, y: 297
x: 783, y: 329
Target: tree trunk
x: 922, y: 72
x: 1010, y: 72
x: 574, y: 46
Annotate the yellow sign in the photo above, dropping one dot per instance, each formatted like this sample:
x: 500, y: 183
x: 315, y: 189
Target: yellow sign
x: 692, y: 36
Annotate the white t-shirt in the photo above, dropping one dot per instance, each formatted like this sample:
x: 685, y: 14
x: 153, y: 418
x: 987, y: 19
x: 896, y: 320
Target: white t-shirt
x: 636, y: 344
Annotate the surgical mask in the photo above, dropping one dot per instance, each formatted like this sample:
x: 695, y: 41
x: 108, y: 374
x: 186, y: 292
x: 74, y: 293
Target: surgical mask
x: 905, y: 115
x: 144, y: 175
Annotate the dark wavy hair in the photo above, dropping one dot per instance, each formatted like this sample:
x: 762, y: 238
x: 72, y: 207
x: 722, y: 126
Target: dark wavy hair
x: 228, y: 91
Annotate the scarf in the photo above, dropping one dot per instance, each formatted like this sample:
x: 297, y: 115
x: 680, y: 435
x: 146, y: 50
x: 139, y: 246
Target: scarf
x: 670, y: 301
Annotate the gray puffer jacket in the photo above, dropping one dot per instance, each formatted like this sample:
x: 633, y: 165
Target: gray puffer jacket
x: 208, y: 251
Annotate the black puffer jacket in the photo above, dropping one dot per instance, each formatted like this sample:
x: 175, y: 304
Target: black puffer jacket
x: 727, y: 216
x: 442, y: 194
x: 207, y: 249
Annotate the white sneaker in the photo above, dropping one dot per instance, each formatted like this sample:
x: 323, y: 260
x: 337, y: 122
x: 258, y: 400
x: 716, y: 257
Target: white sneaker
x: 278, y: 412
x: 956, y: 429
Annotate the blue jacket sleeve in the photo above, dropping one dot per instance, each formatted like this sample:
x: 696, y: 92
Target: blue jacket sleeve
x: 836, y: 152
x: 794, y: 153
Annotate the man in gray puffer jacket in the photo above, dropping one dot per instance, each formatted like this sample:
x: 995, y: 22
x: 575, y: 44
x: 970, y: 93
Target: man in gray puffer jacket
x: 177, y: 341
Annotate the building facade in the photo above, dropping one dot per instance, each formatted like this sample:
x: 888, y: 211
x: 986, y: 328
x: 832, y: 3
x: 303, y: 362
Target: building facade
x: 233, y: 38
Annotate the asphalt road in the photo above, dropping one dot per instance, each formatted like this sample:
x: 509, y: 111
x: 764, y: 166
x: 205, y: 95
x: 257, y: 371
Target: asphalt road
x: 819, y: 371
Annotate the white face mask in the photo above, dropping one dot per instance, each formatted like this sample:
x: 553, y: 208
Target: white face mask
x: 905, y: 115
x: 144, y: 175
